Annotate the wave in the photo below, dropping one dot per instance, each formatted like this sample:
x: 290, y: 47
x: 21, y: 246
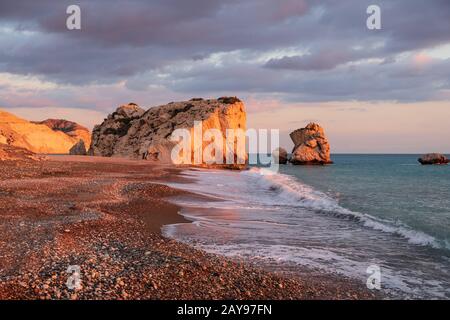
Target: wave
x: 291, y: 192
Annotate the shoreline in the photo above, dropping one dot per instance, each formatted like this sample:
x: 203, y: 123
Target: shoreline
x: 105, y: 216
x: 315, y: 277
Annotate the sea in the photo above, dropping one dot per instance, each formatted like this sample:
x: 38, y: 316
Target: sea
x: 365, y: 215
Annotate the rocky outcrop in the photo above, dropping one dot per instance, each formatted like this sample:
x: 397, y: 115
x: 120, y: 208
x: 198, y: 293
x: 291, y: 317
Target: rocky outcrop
x: 132, y: 132
x: 37, y: 138
x: 311, y: 146
x: 8, y: 152
x: 107, y: 137
x: 433, y: 158
x: 280, y: 156
x: 70, y: 128
x: 79, y: 149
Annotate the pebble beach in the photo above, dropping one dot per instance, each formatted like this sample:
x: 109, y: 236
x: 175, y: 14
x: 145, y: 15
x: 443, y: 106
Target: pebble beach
x: 104, y: 216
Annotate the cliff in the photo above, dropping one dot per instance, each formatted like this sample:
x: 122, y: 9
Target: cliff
x: 70, y: 128
x: 35, y: 137
x: 132, y: 132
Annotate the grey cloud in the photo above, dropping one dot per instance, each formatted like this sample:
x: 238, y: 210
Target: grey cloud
x: 323, y: 60
x: 136, y: 40
x: 406, y: 25
x: 118, y: 41
x: 368, y: 82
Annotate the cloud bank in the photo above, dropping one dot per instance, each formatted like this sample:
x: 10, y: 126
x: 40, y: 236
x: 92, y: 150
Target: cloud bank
x: 290, y: 50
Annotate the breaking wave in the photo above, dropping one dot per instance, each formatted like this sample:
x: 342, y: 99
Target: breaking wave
x: 291, y: 192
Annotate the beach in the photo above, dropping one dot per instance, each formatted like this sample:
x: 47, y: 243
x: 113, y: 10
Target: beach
x: 105, y: 216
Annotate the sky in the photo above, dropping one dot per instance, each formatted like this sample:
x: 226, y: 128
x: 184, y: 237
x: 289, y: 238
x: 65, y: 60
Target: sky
x: 290, y: 61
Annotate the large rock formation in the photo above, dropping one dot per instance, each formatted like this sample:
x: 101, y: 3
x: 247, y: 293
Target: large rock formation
x: 135, y: 133
x: 311, y: 146
x: 37, y: 138
x: 72, y: 129
x: 433, y: 158
x: 8, y: 152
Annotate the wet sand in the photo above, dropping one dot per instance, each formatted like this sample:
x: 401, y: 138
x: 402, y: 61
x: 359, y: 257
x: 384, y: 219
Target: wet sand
x: 105, y: 216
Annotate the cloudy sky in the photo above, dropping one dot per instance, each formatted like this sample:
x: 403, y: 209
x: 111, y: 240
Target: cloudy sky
x: 291, y: 61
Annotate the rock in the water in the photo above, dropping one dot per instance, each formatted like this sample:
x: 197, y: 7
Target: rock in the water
x: 280, y: 156
x: 433, y: 158
x: 132, y: 132
x: 311, y: 146
x: 78, y: 149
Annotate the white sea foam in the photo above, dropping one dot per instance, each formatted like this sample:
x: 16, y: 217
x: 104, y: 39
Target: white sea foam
x: 294, y: 193
x: 285, y: 190
x: 277, y: 218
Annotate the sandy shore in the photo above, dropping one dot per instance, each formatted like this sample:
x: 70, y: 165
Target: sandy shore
x: 105, y: 215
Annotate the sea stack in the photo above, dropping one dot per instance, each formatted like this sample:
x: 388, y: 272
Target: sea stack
x: 433, y: 158
x: 132, y: 132
x: 311, y: 146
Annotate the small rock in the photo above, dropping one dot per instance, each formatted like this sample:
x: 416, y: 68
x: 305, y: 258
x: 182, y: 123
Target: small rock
x: 433, y: 158
x: 280, y: 156
x: 78, y: 149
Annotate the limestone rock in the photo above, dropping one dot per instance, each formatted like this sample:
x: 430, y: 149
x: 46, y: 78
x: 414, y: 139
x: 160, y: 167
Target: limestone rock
x: 78, y: 149
x: 132, y: 132
x: 113, y: 129
x: 70, y: 128
x: 433, y: 158
x: 37, y: 138
x: 311, y: 146
x: 280, y: 156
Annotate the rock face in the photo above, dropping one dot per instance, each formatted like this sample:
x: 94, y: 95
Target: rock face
x: 135, y: 133
x: 311, y: 146
x: 35, y: 137
x: 433, y: 158
x: 280, y: 156
x: 72, y: 129
x: 79, y: 149
x: 106, y: 137
x: 8, y: 152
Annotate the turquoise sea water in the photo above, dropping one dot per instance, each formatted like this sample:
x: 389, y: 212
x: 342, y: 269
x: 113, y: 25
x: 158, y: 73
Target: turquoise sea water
x: 365, y: 210
x: 393, y: 187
